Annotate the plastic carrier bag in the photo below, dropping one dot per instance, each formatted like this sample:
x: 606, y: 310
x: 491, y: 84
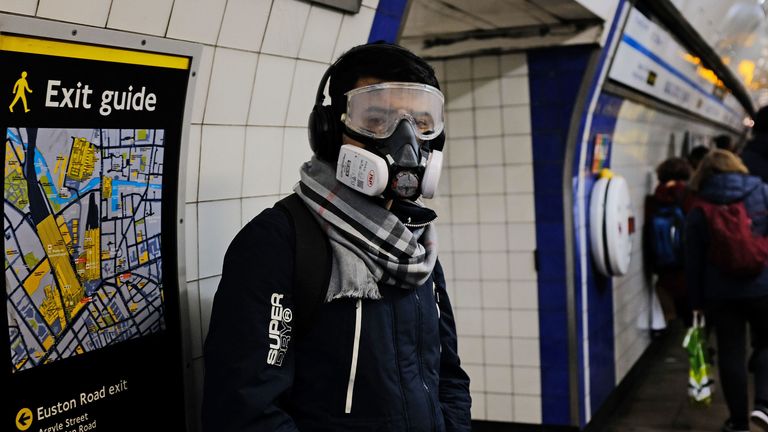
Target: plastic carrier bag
x: 700, y: 384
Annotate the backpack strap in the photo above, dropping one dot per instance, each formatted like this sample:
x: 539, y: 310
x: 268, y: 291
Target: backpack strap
x: 312, y: 262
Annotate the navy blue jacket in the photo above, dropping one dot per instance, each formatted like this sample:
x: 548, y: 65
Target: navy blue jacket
x: 706, y: 283
x: 262, y: 376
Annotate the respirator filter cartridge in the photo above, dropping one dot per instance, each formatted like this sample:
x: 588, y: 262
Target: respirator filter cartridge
x: 362, y: 170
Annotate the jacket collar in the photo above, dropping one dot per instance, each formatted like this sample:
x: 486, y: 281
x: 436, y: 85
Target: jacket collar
x: 412, y: 214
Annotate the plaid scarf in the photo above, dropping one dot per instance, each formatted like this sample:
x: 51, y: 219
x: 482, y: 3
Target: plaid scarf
x: 369, y: 243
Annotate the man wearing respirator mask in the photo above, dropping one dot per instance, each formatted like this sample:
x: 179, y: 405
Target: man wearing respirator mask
x: 368, y: 341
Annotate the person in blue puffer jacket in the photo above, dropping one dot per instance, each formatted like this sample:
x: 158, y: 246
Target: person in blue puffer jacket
x: 731, y: 302
x: 381, y: 352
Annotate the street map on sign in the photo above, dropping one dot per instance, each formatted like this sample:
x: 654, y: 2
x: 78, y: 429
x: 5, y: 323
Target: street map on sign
x: 83, y: 268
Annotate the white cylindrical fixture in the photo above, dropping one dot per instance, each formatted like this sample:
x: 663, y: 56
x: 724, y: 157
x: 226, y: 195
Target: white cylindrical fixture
x: 612, y: 224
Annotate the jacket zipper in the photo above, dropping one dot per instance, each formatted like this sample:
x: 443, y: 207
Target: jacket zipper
x: 397, y: 363
x: 437, y: 306
x: 355, y: 350
x: 421, y: 362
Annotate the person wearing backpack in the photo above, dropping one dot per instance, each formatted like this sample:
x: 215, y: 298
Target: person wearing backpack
x: 332, y: 312
x: 725, y: 263
x: 695, y: 156
x: 663, y: 236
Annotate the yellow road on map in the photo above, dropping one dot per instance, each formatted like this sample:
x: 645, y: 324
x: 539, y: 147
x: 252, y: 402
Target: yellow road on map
x: 56, y: 250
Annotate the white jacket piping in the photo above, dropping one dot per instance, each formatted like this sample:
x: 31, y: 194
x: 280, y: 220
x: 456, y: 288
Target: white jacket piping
x: 355, y: 349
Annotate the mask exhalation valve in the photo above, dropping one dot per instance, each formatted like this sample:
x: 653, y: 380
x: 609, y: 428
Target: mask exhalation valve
x: 405, y: 184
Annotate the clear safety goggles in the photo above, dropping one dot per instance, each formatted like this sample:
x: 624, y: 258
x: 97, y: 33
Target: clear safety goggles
x: 376, y: 110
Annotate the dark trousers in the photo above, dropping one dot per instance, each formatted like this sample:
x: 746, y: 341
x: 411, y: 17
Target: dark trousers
x: 731, y: 318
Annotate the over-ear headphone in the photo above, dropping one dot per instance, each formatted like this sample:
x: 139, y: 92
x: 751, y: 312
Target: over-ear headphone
x: 324, y: 129
x: 324, y: 133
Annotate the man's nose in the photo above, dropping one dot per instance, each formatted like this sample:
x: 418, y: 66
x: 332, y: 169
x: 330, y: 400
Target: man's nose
x: 404, y: 146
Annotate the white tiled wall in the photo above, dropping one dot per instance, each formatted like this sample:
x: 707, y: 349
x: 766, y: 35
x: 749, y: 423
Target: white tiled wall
x: 487, y: 233
x: 640, y: 142
x: 261, y: 63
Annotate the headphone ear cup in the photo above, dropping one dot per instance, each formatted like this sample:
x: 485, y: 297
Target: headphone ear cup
x: 313, y: 130
x: 323, y: 133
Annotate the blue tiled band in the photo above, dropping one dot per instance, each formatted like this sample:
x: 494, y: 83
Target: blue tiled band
x: 555, y: 78
x: 387, y: 21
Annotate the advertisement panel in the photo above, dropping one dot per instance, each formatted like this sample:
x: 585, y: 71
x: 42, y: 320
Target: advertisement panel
x: 92, y: 141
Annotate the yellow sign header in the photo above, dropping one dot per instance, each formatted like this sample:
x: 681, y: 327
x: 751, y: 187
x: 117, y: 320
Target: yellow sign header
x: 90, y: 52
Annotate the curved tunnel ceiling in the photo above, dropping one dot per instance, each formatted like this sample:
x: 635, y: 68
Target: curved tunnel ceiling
x: 738, y: 32
x: 450, y: 28
x: 736, y: 29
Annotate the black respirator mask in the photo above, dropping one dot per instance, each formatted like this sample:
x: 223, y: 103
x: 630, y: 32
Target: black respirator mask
x: 401, y: 126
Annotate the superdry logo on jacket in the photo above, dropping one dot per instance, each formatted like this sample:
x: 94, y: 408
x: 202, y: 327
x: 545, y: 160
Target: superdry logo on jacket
x: 279, y: 330
x: 362, y: 365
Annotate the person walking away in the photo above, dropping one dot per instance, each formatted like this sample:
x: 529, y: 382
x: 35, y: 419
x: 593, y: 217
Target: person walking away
x: 696, y: 155
x: 755, y: 153
x: 732, y: 299
x: 664, y: 229
x: 724, y: 142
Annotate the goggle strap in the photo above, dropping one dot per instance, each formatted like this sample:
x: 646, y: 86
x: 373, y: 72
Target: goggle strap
x: 438, y: 142
x: 372, y: 143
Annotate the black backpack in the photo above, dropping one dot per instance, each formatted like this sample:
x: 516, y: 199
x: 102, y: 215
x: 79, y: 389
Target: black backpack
x: 312, y: 262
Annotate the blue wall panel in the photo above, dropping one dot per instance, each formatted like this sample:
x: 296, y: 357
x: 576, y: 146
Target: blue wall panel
x: 387, y: 21
x: 555, y: 78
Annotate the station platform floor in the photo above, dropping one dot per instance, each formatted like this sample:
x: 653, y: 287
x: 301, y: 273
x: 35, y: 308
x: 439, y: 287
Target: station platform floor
x: 652, y: 398
x: 657, y: 399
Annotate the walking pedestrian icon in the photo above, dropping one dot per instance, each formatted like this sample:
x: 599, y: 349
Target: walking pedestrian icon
x: 20, y: 89
x: 24, y: 419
